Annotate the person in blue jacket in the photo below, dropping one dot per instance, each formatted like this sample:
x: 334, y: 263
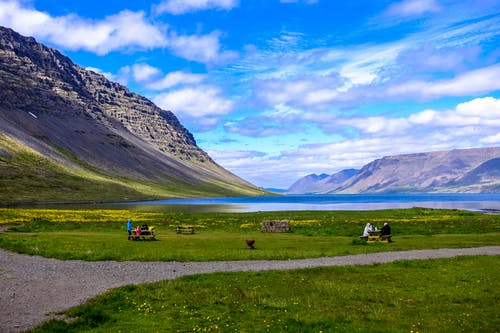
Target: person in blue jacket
x: 129, y: 228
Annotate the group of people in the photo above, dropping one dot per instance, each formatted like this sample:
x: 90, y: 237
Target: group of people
x: 144, y: 229
x: 384, y: 231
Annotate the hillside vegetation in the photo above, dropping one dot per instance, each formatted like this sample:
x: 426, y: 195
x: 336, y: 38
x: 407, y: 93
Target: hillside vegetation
x: 26, y: 176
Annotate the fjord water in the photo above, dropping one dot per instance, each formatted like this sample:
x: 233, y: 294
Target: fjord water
x: 475, y: 202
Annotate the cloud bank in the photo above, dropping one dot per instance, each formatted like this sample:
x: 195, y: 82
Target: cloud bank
x: 124, y: 31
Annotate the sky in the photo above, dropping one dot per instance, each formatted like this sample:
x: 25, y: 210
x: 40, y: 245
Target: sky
x: 275, y: 90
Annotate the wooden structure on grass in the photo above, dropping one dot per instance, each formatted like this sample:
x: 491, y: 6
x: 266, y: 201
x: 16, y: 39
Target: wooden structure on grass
x: 276, y: 226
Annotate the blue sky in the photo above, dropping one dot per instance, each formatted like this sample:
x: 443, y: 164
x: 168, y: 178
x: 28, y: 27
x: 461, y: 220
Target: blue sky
x: 278, y: 89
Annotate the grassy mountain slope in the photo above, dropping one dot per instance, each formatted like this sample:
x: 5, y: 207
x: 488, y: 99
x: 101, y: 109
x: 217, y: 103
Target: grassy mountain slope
x: 28, y: 176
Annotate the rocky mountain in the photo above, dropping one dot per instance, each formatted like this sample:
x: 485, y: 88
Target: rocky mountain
x: 460, y: 170
x: 307, y: 185
x: 89, y: 135
x: 316, y: 184
x: 484, y: 178
x: 474, y: 170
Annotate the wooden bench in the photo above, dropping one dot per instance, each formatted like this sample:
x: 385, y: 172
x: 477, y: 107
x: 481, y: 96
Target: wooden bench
x: 145, y: 234
x: 375, y: 236
x: 184, y: 230
x: 386, y: 238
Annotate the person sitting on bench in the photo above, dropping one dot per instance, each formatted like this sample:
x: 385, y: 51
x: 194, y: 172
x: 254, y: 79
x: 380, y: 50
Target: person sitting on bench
x: 368, y: 228
x: 386, y: 232
x: 386, y: 229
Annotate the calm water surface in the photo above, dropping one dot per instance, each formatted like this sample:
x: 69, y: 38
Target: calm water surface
x: 475, y: 202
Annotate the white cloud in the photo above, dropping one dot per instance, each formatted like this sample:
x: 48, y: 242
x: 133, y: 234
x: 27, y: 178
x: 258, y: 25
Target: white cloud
x: 477, y: 117
x: 177, y: 7
x: 413, y: 8
x: 200, y: 48
x: 124, y: 30
x: 123, y: 75
x: 378, y: 125
x: 363, y: 64
x: 300, y: 1
x: 487, y: 107
x: 282, y: 111
x: 310, y: 92
x: 283, y: 91
x: 173, y: 79
x: 320, y: 96
x: 152, y: 77
x: 144, y: 72
x: 480, y: 111
x: 201, y: 101
x: 423, y: 117
x: 256, y: 167
x: 478, y: 81
x: 491, y: 139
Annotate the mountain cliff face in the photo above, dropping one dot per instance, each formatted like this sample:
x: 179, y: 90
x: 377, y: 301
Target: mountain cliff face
x: 461, y: 170
x: 93, y: 128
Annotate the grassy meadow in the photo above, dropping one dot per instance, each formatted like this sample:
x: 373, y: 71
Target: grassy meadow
x: 442, y: 295
x: 101, y: 234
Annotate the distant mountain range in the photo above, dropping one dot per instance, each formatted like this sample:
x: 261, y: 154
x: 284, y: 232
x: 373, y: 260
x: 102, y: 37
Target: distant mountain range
x: 69, y: 134
x: 475, y: 170
x: 322, y: 183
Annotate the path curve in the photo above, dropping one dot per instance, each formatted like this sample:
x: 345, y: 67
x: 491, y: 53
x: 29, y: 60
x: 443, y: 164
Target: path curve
x: 33, y: 287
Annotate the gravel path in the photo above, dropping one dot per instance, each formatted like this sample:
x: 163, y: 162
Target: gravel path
x: 33, y: 287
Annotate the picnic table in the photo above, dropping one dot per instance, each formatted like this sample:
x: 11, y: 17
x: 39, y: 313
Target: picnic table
x: 376, y: 236
x: 184, y: 230
x: 146, y: 233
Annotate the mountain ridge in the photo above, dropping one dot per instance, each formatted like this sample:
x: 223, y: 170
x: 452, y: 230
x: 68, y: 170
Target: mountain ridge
x: 80, y: 120
x: 315, y: 184
x: 473, y: 170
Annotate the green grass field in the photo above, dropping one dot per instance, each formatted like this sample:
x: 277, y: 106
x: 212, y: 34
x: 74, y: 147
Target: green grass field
x: 445, y: 295
x: 97, y: 234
